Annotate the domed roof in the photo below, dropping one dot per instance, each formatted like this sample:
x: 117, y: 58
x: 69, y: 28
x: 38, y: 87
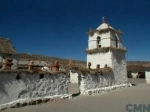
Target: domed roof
x: 104, y: 25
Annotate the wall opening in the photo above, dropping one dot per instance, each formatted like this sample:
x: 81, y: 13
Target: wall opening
x: 41, y: 76
x: 18, y: 77
x: 99, y: 42
x: 116, y: 42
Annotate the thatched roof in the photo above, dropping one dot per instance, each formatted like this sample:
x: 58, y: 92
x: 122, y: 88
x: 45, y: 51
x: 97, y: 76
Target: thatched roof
x: 137, y: 68
x: 84, y: 70
x: 104, y: 50
x: 6, y: 46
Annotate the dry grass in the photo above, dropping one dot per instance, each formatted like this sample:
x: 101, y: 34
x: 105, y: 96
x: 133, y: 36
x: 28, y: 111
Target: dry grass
x: 104, y: 50
x: 137, y: 68
x: 91, y: 32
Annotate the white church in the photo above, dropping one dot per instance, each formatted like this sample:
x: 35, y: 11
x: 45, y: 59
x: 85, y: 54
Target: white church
x: 105, y: 48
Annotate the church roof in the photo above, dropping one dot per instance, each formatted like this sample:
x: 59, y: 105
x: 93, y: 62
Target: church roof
x: 104, y: 25
x: 103, y: 28
x: 6, y: 46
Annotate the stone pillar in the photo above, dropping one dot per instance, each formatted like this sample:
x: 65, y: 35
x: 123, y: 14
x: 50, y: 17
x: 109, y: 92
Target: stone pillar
x: 98, y: 66
x: 30, y: 65
x: 70, y: 62
x: 7, y: 63
x: 89, y: 65
x: 105, y: 66
x: 55, y: 66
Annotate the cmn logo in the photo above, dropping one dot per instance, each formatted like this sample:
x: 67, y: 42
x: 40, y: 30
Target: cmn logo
x: 138, y: 108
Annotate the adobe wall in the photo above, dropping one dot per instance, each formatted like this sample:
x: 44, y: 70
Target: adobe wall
x: 25, y: 86
x: 98, y: 83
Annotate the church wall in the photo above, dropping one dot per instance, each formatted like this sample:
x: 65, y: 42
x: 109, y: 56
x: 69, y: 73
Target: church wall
x: 113, y: 40
x: 119, y: 67
x: 92, y: 44
x: 73, y: 77
x: 99, y: 58
x: 98, y: 83
x: 115, y: 60
x: 25, y: 87
x: 105, y: 40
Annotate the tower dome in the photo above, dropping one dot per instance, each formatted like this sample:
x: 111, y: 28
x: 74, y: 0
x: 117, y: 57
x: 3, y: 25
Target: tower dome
x: 104, y: 25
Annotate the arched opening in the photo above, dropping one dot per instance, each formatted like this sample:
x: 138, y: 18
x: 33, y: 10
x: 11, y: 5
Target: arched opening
x: 116, y: 42
x: 99, y: 42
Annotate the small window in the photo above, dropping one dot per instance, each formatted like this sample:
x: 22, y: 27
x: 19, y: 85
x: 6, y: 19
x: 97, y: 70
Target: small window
x: 41, y: 76
x: 98, y: 41
x: 18, y: 77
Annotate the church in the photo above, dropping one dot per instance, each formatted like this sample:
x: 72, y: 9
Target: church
x: 105, y: 48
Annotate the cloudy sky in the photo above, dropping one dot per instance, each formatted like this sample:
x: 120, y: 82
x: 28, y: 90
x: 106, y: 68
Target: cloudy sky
x: 58, y: 27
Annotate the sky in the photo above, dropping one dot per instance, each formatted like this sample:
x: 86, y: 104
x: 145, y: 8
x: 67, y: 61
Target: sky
x: 57, y: 28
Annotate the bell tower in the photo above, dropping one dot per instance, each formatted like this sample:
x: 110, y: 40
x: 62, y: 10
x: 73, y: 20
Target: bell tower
x: 105, y: 47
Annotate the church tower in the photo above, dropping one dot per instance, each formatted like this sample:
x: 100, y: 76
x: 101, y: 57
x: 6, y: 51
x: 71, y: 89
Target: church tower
x: 105, y: 48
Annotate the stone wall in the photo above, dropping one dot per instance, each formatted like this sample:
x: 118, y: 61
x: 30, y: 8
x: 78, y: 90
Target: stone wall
x: 22, y: 86
x: 119, y: 67
x: 98, y: 83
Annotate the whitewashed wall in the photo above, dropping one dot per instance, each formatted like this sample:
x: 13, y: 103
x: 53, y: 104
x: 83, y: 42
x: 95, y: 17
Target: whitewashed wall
x: 113, y: 40
x: 105, y: 40
x: 73, y: 77
x: 99, y: 58
x: 119, y: 67
x: 99, y: 83
x: 115, y: 60
x: 147, y: 76
x: 30, y: 86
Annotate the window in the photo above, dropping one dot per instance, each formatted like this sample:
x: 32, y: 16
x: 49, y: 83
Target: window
x: 98, y: 41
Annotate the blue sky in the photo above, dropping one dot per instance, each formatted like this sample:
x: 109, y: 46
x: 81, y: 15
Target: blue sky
x: 58, y: 27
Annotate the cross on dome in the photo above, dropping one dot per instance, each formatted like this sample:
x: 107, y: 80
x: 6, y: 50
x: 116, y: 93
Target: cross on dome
x: 103, y: 20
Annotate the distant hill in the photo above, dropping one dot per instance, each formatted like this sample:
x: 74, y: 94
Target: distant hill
x: 27, y: 57
x: 137, y: 62
x: 23, y: 56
